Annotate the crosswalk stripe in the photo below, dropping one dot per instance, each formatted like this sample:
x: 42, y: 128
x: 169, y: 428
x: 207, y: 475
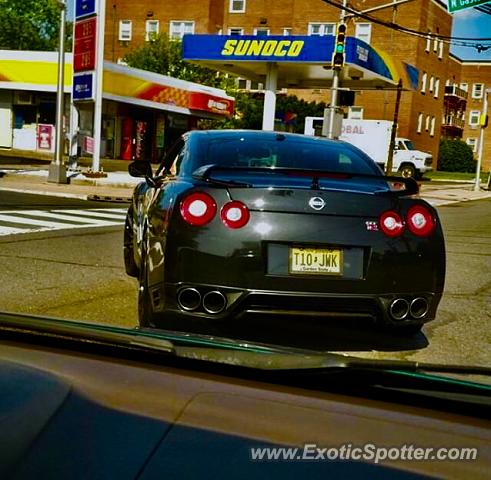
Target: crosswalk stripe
x: 92, y: 213
x: 28, y: 221
x: 13, y: 231
x: 73, y: 218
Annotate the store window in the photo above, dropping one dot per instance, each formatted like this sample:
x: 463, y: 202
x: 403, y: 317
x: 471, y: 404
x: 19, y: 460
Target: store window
x: 125, y: 30
x: 321, y: 29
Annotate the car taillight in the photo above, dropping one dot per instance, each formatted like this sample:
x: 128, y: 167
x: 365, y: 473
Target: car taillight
x: 420, y: 221
x: 235, y: 214
x: 198, y: 209
x: 391, y: 224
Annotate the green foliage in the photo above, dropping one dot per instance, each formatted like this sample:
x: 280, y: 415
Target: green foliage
x: 31, y: 25
x: 455, y: 156
x: 163, y: 55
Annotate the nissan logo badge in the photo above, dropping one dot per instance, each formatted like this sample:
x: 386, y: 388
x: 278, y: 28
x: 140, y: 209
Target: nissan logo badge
x: 317, y: 203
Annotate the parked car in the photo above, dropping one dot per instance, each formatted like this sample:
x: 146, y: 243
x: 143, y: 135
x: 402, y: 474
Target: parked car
x: 256, y: 222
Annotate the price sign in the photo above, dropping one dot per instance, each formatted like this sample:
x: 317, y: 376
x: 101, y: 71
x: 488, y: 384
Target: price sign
x: 84, y: 50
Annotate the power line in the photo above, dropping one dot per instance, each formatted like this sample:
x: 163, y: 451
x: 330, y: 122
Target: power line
x: 458, y: 41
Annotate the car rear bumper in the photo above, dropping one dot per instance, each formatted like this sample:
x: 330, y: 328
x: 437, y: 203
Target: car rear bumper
x: 225, y: 304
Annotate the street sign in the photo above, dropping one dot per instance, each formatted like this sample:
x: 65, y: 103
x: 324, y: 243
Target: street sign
x: 457, y: 5
x: 83, y: 87
x: 84, y: 50
x: 84, y: 8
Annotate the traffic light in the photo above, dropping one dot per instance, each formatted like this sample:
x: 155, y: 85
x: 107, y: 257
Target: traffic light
x: 338, y: 55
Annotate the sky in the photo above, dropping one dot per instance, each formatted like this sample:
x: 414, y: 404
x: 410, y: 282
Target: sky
x: 469, y: 23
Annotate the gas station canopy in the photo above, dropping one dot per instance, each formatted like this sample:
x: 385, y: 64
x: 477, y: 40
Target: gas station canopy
x: 300, y: 61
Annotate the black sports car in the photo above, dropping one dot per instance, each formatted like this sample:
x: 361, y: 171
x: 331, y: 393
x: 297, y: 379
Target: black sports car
x: 238, y: 223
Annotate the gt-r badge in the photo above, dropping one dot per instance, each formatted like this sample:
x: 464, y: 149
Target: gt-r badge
x: 317, y: 203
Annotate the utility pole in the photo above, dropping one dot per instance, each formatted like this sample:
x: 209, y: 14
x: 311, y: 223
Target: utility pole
x: 483, y: 122
x: 57, y: 169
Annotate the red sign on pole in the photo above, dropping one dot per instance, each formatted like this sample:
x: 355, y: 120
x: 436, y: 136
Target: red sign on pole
x: 45, y: 137
x: 84, y: 50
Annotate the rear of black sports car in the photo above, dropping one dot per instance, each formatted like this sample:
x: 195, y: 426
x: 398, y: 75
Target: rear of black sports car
x: 248, y: 240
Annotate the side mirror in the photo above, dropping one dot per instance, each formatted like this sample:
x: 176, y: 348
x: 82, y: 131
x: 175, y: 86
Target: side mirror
x: 140, y: 168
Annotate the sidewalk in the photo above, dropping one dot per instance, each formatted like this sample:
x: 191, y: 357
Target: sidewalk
x: 118, y: 185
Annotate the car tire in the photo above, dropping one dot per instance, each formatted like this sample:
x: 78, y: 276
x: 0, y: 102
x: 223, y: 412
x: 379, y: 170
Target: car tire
x: 128, y: 253
x: 407, y: 171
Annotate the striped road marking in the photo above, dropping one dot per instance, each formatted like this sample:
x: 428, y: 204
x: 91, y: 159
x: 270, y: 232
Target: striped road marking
x: 13, y: 222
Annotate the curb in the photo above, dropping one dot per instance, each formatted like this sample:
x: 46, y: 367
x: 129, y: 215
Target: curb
x: 108, y: 198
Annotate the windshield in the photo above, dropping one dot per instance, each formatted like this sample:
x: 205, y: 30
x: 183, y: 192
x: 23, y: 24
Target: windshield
x: 295, y: 260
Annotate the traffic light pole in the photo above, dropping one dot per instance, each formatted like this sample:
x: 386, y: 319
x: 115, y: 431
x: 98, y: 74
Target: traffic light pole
x: 335, y: 83
x: 477, y: 181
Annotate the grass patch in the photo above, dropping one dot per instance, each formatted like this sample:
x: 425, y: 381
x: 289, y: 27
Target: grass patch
x: 455, y: 176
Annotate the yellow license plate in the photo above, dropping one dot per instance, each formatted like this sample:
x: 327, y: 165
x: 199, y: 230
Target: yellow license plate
x: 316, y: 261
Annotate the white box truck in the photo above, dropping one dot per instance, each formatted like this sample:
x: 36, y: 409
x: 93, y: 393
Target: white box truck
x: 373, y: 137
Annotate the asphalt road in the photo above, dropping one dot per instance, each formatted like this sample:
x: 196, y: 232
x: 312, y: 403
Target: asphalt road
x: 77, y: 272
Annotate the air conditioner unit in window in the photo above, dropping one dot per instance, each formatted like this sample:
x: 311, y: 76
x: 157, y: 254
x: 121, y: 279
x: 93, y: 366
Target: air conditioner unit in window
x: 24, y: 98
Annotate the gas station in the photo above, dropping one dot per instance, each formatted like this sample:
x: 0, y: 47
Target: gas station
x: 300, y: 62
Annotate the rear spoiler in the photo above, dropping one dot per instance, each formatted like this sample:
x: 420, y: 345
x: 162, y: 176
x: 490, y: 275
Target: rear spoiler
x: 396, y: 185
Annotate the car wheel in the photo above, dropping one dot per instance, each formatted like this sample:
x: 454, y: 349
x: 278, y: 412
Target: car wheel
x: 128, y: 252
x: 407, y: 171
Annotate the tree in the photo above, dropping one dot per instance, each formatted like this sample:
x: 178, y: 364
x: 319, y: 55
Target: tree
x: 31, y: 25
x: 455, y: 156
x: 164, y: 55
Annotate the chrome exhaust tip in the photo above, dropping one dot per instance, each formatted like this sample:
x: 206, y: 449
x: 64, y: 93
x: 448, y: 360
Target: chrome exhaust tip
x: 399, y: 309
x: 419, y: 307
x: 189, y: 299
x: 214, y: 302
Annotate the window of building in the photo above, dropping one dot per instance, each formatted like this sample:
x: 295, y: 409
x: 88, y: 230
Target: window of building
x: 464, y: 86
x: 322, y: 29
x: 427, y: 123
x: 424, y: 78
x: 151, y: 29
x: 477, y: 89
x: 437, y: 88
x: 125, y: 30
x: 420, y: 122
x: 440, y: 49
x: 237, y: 6
x: 355, y: 113
x: 432, y: 126
x: 435, y: 41
x: 287, y: 31
x: 236, y: 31
x: 363, y: 31
x: 432, y: 83
x: 474, y: 116
x: 178, y: 29
x: 261, y: 31
x: 428, y: 42
x: 472, y: 142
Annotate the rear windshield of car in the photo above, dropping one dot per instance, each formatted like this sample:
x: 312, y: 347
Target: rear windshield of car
x: 283, y: 151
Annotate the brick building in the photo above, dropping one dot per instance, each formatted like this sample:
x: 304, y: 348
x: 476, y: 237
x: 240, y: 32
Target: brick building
x: 445, y: 103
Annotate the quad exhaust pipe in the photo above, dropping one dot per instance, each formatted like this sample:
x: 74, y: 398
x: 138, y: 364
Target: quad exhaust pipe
x: 419, y: 307
x: 401, y: 309
x: 189, y: 299
x: 214, y: 302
